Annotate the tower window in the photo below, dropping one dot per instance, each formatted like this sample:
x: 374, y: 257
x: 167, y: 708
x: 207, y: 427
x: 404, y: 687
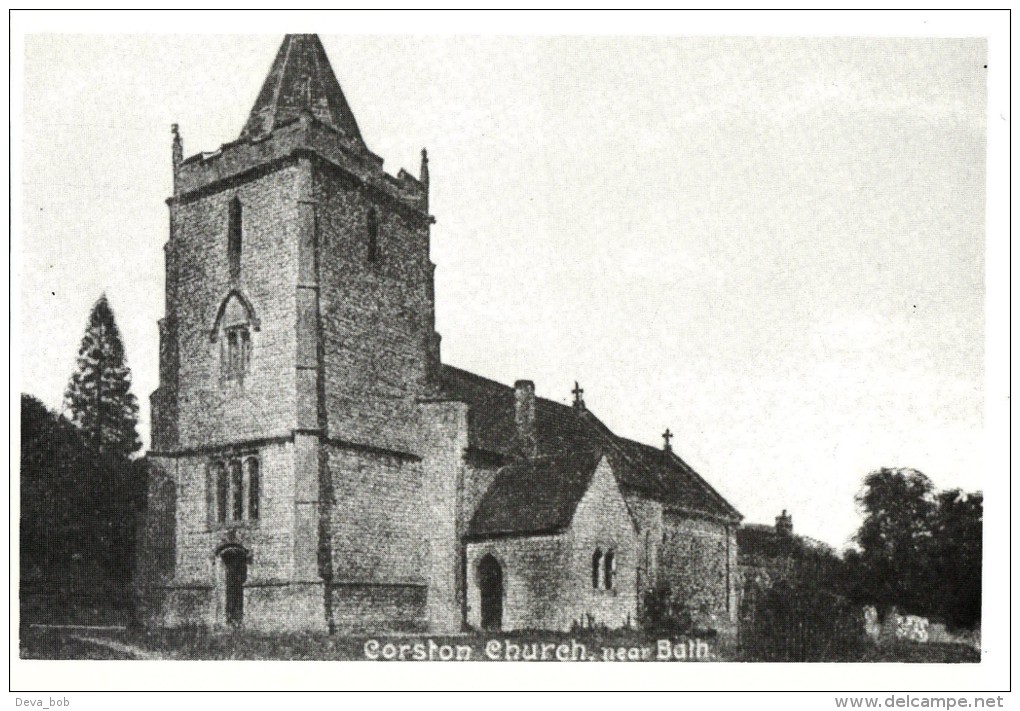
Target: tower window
x: 252, y: 465
x: 237, y: 490
x: 237, y: 358
x: 372, y: 228
x: 596, y: 569
x: 233, y: 328
x: 234, y: 238
x: 219, y: 473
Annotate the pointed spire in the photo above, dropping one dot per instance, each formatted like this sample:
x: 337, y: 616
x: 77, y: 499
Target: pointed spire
x: 301, y: 79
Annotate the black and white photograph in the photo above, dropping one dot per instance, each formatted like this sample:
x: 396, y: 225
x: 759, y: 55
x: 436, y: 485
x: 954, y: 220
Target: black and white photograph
x: 624, y: 338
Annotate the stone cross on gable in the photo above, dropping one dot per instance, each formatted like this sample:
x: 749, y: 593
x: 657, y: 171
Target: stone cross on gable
x: 666, y: 437
x: 578, y: 391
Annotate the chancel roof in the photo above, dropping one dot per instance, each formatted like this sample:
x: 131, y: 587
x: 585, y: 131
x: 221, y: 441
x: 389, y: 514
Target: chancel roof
x: 570, y: 440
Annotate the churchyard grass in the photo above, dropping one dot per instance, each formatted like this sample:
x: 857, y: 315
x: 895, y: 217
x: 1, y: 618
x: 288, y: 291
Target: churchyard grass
x: 201, y: 644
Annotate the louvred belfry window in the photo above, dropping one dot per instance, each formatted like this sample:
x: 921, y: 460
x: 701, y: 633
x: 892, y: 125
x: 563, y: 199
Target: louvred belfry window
x: 235, y: 323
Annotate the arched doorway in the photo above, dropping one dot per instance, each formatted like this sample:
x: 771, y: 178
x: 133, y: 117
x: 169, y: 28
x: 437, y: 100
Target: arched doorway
x: 235, y: 572
x: 490, y: 584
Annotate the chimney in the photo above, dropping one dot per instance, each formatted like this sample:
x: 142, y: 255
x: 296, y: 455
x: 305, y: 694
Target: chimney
x: 524, y: 418
x: 784, y: 524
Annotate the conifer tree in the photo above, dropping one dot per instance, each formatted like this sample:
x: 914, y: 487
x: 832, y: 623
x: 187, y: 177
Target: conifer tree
x: 99, y: 396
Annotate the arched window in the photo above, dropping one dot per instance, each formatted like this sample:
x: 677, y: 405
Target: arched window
x: 596, y: 568
x: 220, y: 475
x: 236, y: 490
x: 252, y: 465
x: 234, y: 237
x: 609, y: 567
x: 234, y: 324
x: 372, y: 228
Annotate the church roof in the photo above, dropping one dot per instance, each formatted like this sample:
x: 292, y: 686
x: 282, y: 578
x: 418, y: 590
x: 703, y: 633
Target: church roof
x: 300, y: 79
x: 535, y: 496
x: 563, y: 430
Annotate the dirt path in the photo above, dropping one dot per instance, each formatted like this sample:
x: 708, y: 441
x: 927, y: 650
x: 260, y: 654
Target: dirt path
x: 129, y: 649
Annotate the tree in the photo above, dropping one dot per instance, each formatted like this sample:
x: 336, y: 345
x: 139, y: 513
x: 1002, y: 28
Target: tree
x: 898, y: 505
x: 956, y: 557
x: 54, y: 459
x: 78, y: 514
x: 99, y: 394
x: 920, y: 549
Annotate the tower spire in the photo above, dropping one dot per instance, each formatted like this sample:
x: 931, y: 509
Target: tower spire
x: 301, y: 79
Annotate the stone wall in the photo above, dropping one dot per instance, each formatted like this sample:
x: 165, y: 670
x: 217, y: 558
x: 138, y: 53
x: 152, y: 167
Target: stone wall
x: 378, y: 521
x: 698, y: 560
x: 602, y: 521
x: 548, y: 579
x: 373, y: 608
x: 269, y: 539
x: 212, y: 409
x: 533, y: 571
x: 647, y: 515
x: 443, y: 438
x: 377, y: 315
x: 277, y: 594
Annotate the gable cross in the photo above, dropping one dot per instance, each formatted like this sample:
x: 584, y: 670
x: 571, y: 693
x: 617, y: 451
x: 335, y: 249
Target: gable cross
x: 667, y: 436
x: 578, y: 391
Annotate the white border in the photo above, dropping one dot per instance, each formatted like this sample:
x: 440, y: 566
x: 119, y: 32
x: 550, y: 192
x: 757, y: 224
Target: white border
x: 992, y: 673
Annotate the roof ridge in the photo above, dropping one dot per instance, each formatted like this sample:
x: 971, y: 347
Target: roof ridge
x: 504, y: 386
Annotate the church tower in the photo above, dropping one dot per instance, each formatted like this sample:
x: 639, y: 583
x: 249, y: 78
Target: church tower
x: 297, y: 342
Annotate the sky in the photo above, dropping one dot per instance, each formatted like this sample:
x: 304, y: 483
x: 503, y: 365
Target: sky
x: 775, y: 247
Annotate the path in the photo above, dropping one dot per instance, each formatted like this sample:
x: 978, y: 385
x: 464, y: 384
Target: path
x: 128, y: 649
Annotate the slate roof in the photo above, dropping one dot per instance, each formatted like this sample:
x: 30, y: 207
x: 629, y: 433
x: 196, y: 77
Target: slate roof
x: 300, y: 79
x: 534, y: 497
x: 567, y: 437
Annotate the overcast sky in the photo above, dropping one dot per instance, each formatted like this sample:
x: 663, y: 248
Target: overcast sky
x: 774, y: 247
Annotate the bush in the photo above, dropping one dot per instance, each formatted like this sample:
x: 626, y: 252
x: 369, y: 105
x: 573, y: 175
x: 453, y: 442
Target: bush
x: 663, y: 612
x: 800, y: 623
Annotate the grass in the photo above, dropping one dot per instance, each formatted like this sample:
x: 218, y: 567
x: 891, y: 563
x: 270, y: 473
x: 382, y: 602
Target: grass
x: 913, y: 653
x: 58, y: 644
x: 202, y: 644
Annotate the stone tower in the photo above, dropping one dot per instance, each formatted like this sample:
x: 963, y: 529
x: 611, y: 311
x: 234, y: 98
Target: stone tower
x: 297, y: 343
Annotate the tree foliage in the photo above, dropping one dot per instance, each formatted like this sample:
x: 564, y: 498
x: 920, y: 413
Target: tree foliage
x: 78, y: 513
x: 98, y: 395
x: 920, y: 549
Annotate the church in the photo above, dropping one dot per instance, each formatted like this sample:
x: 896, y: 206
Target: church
x: 315, y: 465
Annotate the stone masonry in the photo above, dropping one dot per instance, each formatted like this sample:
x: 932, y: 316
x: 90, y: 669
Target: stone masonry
x: 315, y: 465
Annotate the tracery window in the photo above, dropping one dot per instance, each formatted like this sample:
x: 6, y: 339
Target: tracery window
x: 236, y: 490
